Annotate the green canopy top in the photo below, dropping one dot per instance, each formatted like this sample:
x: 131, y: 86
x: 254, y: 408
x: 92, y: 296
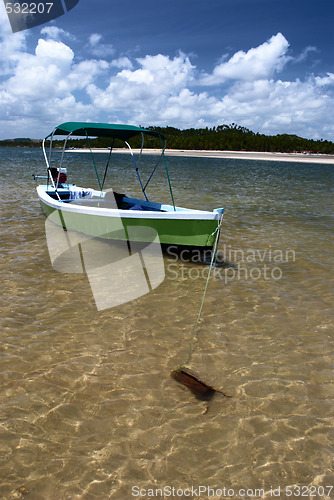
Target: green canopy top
x: 116, y: 131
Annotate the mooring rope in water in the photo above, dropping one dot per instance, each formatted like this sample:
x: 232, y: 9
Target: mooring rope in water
x: 212, y: 262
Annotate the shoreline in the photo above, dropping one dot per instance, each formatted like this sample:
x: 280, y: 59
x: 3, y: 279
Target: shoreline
x: 235, y: 155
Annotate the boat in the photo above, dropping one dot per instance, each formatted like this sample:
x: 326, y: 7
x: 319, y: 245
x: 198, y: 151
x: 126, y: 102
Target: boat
x: 106, y: 214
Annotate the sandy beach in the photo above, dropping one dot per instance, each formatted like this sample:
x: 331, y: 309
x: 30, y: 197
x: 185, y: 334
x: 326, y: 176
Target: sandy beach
x: 238, y: 155
x: 255, y: 155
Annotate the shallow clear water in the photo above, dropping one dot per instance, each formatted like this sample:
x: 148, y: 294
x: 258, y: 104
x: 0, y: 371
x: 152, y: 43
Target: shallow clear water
x: 88, y: 409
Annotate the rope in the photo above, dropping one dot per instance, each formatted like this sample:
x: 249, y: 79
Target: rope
x: 212, y: 262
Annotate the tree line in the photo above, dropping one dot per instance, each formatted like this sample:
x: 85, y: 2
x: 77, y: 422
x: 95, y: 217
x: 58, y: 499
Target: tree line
x: 237, y: 138
x: 223, y: 137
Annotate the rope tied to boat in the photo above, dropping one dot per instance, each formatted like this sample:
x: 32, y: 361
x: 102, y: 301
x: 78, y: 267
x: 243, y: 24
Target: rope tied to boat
x: 212, y: 264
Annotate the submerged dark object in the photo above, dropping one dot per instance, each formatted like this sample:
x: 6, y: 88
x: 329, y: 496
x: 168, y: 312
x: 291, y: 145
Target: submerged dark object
x: 197, y: 387
x: 22, y: 490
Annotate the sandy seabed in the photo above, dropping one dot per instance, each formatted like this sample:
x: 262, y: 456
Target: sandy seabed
x: 238, y: 155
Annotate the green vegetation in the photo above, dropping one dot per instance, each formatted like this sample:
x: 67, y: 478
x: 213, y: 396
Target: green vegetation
x: 224, y: 137
x: 20, y: 141
x: 236, y: 138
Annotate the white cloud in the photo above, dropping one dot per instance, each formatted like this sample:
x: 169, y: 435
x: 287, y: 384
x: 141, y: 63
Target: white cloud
x: 11, y: 47
x: 257, y: 63
x: 95, y: 39
x: 50, y: 51
x: 122, y: 62
x: 99, y: 49
x: 55, y: 33
x: 161, y: 72
x: 40, y: 76
x: 84, y: 73
x: 279, y: 107
x: 325, y: 80
x: 144, y: 90
x: 50, y: 84
x: 39, y: 87
x: 305, y: 53
x: 187, y: 107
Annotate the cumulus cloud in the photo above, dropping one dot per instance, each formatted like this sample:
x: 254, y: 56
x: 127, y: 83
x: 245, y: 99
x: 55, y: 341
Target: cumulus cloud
x: 144, y: 89
x: 37, y: 88
x: 50, y: 84
x: 99, y: 49
x: 49, y: 51
x: 255, y: 64
x: 122, y: 62
x: 40, y: 76
x: 278, y: 106
x: 322, y: 81
x: 11, y: 47
x: 55, y: 33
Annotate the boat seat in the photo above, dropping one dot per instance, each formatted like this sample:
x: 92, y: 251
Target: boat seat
x: 113, y: 196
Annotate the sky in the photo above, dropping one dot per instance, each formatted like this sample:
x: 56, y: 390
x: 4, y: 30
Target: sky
x: 267, y: 65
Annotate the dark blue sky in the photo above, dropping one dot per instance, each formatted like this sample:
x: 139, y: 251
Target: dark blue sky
x: 207, y: 29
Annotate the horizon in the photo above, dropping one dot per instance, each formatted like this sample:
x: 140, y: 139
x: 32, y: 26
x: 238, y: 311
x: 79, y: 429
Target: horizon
x: 34, y: 139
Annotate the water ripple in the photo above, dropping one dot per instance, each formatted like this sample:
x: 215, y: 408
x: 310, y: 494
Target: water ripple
x: 88, y: 407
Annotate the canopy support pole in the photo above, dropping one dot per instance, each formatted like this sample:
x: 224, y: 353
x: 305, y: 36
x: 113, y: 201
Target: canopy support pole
x: 64, y: 147
x: 165, y: 162
x: 154, y: 169
x: 91, y: 152
x: 137, y: 170
x: 106, y: 170
x: 141, y: 148
x: 47, y: 161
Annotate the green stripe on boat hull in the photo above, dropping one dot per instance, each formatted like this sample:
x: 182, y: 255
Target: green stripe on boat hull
x: 179, y: 232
